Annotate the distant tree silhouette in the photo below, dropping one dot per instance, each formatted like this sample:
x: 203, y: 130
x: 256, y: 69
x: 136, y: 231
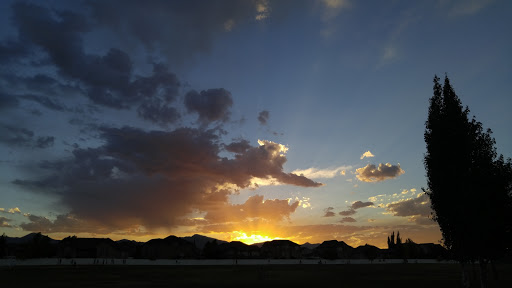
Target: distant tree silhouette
x: 391, y: 240
x: 396, y: 247
x: 468, y: 184
x: 3, y: 245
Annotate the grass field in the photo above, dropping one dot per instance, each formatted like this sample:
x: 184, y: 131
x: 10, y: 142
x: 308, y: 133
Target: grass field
x: 392, y: 275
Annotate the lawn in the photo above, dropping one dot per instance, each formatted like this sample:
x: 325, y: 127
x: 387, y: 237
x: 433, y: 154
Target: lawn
x: 390, y: 275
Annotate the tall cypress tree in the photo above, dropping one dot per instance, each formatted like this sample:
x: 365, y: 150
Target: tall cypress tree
x: 468, y: 184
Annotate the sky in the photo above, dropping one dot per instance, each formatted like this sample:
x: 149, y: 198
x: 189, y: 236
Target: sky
x: 239, y: 120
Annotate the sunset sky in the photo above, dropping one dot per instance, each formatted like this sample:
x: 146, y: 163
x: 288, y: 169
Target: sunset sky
x: 238, y: 120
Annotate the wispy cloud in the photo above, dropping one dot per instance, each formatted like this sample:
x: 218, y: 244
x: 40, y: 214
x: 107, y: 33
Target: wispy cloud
x: 333, y: 7
x: 465, y: 7
x: 317, y: 173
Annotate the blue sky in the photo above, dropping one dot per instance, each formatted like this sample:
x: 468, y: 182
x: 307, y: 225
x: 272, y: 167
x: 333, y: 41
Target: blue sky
x: 139, y: 120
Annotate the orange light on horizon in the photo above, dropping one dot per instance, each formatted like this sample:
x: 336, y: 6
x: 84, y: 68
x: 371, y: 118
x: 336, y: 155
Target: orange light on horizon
x: 252, y: 239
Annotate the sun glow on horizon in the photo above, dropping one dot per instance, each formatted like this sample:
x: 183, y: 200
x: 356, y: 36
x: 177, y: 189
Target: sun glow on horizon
x: 252, y: 239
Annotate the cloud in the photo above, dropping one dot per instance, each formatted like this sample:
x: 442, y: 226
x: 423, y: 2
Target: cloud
x: 465, y: 8
x: 137, y: 24
x: 35, y: 86
x: 108, y: 79
x: 347, y: 212
x: 316, y: 173
x: 389, y: 54
x: 45, y: 142
x: 211, y: 105
x: 359, y: 204
x: 156, y: 178
x: 21, y: 137
x: 12, y: 50
x: 10, y: 210
x: 412, y: 206
x: 158, y: 112
x: 254, y: 207
x: 333, y: 7
x: 347, y: 220
x: 4, y: 222
x: 14, y: 210
x: 328, y: 212
x: 238, y: 147
x: 66, y: 223
x: 367, y: 154
x: 15, y: 136
x: 352, y: 208
x: 371, y: 173
x: 417, y: 209
x: 263, y: 117
x: 421, y: 220
x: 8, y: 101
x: 45, y: 102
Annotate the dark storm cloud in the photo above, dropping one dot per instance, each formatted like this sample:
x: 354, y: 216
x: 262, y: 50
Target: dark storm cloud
x: 155, y: 178
x: 328, y: 212
x: 38, y: 84
x: 158, y: 112
x: 15, y: 136
x: 58, y: 33
x: 108, y: 79
x: 238, y: 147
x: 12, y: 51
x: 263, y: 117
x: 21, y: 137
x: 371, y: 173
x: 8, y: 101
x: 63, y: 223
x: 45, y: 101
x: 45, y: 142
x: 177, y: 29
x: 211, y: 105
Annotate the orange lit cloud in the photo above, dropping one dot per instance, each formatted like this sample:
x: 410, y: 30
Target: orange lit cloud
x: 372, y: 173
x: 155, y: 179
x: 4, y: 222
x: 254, y: 207
x: 367, y: 154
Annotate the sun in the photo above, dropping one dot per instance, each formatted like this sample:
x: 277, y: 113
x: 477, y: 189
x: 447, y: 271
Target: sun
x: 242, y: 237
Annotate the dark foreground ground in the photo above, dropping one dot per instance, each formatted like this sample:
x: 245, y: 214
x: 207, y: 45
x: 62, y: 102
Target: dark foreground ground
x: 391, y: 275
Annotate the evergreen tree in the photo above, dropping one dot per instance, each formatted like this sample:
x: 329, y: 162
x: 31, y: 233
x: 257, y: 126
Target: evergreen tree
x: 468, y: 184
